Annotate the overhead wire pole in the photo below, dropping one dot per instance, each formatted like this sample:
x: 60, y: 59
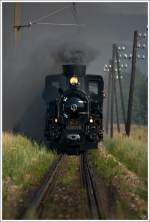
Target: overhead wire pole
x: 112, y: 92
x: 108, y: 103
x: 74, y: 12
x: 17, y: 20
x: 116, y: 105
x: 120, y: 87
x: 132, y: 80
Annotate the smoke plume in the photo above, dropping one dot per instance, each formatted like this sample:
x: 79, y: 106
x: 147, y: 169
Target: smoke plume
x: 74, y: 53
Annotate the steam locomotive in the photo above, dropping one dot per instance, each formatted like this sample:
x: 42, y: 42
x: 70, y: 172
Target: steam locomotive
x: 74, y: 104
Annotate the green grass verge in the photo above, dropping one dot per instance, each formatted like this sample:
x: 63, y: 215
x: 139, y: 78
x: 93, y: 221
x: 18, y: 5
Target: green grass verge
x: 24, y: 161
x: 129, y: 189
x: 131, y: 152
x: 24, y: 165
x: 123, y: 164
x: 106, y: 166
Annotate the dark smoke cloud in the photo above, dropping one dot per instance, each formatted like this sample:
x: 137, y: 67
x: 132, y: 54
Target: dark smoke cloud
x: 74, y: 52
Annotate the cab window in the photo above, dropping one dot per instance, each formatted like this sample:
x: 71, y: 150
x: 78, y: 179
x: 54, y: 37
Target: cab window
x: 93, y: 87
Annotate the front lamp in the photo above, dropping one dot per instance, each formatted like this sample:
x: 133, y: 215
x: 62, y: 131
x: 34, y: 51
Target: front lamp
x: 56, y: 120
x: 91, y: 120
x: 74, y: 80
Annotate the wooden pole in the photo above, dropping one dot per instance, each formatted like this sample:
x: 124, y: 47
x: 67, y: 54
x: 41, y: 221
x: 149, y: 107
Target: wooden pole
x: 116, y: 105
x: 108, y: 102
x: 112, y: 92
x: 17, y: 20
x: 120, y: 87
x: 132, y: 80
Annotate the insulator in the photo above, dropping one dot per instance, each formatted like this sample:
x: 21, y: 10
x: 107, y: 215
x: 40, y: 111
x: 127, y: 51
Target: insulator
x: 123, y: 48
x: 130, y: 56
x: 119, y: 48
x: 126, y: 65
x: 143, y: 56
x: 120, y: 56
x: 116, y: 70
x: 122, y: 65
x: 109, y: 66
x: 139, y: 34
x: 139, y: 46
x: 138, y: 56
x: 125, y: 56
x: 106, y: 69
x: 106, y: 65
x: 143, y: 46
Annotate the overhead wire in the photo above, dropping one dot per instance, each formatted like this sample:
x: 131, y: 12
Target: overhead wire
x: 50, y: 14
x: 59, y: 24
x: 36, y: 21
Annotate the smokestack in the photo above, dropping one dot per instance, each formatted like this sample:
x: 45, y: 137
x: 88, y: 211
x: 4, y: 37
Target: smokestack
x: 74, y: 69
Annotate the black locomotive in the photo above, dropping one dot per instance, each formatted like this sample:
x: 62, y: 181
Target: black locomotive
x: 74, y: 114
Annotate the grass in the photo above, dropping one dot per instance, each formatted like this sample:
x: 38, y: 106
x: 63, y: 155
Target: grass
x: 105, y: 164
x: 72, y: 167
x: 123, y: 164
x: 131, y: 151
x: 129, y: 190
x: 24, y: 164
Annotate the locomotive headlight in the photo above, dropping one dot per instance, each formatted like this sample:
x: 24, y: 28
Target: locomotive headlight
x: 56, y: 120
x: 91, y: 120
x: 74, y: 80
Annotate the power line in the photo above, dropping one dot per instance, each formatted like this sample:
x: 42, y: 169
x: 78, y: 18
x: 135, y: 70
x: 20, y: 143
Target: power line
x: 50, y: 14
x: 59, y: 24
x: 36, y: 21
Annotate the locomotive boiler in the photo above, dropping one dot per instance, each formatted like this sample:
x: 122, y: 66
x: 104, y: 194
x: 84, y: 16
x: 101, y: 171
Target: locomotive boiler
x: 74, y: 110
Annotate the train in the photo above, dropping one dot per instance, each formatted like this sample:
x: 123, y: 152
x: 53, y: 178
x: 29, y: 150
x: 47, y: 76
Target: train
x: 74, y: 110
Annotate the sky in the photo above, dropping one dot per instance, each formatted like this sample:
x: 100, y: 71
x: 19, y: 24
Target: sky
x: 28, y: 61
x: 105, y: 24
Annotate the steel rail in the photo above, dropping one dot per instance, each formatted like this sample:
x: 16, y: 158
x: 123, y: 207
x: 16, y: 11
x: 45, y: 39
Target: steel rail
x: 33, y: 210
x: 89, y: 184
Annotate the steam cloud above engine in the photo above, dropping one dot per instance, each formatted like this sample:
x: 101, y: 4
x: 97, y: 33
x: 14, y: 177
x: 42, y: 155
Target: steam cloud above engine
x: 74, y: 53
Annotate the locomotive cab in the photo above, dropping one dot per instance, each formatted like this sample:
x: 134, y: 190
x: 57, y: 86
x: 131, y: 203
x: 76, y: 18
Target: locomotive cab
x: 74, y: 114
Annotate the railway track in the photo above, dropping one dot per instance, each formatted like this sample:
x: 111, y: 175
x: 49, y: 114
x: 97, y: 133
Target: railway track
x: 88, y: 181
x: 36, y: 207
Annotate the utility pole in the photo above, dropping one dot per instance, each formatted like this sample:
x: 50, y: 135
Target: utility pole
x: 17, y: 20
x: 120, y: 86
x: 108, y: 102
x: 132, y: 80
x: 112, y: 91
x: 116, y: 105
